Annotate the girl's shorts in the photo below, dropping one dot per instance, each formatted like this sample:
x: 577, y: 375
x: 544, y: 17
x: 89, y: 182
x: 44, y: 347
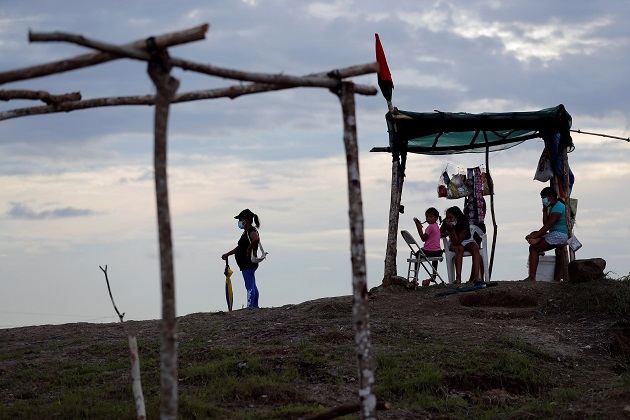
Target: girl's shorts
x: 468, y: 241
x: 430, y: 254
x: 464, y: 242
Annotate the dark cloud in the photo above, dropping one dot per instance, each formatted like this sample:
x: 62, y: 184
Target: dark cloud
x: 461, y: 57
x: 23, y: 211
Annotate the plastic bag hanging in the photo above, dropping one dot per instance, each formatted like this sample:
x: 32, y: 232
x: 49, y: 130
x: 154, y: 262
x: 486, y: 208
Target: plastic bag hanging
x: 543, y: 171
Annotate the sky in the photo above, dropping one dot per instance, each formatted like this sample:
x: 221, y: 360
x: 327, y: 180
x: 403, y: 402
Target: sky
x: 77, y: 190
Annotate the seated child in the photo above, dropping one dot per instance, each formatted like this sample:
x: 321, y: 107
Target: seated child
x: 431, y: 239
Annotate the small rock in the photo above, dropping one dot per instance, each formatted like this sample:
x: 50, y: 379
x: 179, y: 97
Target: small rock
x: 581, y: 271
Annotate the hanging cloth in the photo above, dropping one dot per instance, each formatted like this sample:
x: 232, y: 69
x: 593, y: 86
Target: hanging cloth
x: 553, y: 144
x: 475, y: 204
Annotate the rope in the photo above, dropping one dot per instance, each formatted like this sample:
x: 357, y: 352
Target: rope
x: 601, y: 135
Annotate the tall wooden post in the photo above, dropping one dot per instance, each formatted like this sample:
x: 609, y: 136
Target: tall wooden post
x: 567, y: 200
x: 392, y: 229
x: 494, y: 219
x: 391, y: 251
x: 360, y: 307
x: 166, y: 86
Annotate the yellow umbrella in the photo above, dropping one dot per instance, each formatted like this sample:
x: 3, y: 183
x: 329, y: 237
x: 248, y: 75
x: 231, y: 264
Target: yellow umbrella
x: 228, y: 285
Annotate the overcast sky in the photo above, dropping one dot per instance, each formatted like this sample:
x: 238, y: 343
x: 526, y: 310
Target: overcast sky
x: 77, y: 192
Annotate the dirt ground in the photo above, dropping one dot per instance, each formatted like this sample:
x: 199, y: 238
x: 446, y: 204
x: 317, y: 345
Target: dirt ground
x: 591, y: 346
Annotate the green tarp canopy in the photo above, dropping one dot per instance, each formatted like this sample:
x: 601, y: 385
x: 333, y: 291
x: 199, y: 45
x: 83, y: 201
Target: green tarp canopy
x: 442, y: 133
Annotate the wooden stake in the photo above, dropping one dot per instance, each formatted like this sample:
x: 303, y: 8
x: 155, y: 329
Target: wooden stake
x: 360, y: 307
x: 159, y: 71
x: 135, y: 376
x: 494, y: 219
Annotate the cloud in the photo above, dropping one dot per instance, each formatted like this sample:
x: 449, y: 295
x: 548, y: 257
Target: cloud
x: 23, y: 211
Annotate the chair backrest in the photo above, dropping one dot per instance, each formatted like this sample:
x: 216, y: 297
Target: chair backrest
x: 410, y: 241
x: 476, y: 229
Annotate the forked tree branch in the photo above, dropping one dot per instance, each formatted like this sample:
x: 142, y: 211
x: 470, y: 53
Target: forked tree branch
x: 120, y: 316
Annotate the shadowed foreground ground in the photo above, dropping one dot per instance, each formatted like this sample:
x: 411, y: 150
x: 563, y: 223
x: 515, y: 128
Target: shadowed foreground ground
x: 517, y: 350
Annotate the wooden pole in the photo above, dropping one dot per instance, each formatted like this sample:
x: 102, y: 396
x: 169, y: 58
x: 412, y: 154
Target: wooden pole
x: 561, y: 271
x: 567, y: 200
x: 392, y: 226
x: 159, y: 68
x: 494, y: 219
x: 391, y: 251
x: 135, y: 376
x: 162, y: 41
x: 360, y: 307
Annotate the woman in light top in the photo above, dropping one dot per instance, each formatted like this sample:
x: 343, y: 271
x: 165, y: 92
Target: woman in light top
x: 552, y: 234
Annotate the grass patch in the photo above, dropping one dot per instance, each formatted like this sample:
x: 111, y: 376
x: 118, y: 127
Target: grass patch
x: 608, y: 297
x: 468, y: 369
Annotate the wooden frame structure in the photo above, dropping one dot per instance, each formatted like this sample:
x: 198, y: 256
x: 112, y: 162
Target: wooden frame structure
x: 154, y: 50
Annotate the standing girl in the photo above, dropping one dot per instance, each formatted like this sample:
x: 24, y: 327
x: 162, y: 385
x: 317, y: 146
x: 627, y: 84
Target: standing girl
x: 457, y: 229
x: 431, y: 239
x: 247, y: 243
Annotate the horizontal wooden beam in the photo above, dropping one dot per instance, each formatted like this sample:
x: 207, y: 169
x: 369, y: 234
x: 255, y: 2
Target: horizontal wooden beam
x: 41, y: 95
x: 166, y: 40
x: 328, y: 80
x: 149, y: 100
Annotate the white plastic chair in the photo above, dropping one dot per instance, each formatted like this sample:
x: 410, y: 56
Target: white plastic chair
x: 483, y: 252
x: 418, y: 258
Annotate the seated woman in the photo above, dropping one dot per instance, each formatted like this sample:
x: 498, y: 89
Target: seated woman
x: 552, y: 234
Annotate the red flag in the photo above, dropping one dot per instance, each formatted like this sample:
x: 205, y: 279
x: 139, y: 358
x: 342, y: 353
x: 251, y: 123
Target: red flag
x: 385, y: 81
